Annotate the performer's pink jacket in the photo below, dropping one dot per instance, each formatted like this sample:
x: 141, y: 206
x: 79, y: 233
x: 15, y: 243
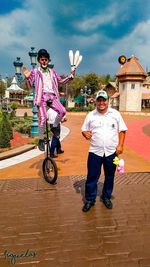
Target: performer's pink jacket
x: 36, y: 79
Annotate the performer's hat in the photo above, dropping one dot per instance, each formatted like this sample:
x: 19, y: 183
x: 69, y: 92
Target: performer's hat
x: 43, y: 53
x: 102, y: 94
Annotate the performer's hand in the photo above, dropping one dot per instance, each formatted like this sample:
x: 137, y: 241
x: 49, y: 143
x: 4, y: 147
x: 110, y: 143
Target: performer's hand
x: 26, y: 72
x: 73, y: 71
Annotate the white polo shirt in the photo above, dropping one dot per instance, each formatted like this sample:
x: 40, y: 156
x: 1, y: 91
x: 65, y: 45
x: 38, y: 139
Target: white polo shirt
x: 51, y: 115
x: 105, y: 130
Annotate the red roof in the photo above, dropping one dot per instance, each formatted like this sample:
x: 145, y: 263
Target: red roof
x: 132, y: 67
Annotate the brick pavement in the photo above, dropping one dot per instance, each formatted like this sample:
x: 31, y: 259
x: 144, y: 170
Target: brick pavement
x: 46, y: 222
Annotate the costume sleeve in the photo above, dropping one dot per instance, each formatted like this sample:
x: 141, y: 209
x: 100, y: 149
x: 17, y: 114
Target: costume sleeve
x: 31, y: 78
x: 63, y: 80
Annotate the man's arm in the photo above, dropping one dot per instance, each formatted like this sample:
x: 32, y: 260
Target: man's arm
x: 119, y: 148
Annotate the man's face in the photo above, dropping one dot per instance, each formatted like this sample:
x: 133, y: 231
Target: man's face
x: 43, y: 62
x: 102, y: 104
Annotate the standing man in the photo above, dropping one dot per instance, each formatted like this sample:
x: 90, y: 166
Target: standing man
x: 55, y: 147
x: 105, y: 129
x: 46, y: 88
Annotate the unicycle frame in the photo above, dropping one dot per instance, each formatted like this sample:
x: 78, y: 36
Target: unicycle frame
x: 49, y: 164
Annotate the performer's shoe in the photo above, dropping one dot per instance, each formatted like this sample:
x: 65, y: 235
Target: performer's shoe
x: 41, y: 145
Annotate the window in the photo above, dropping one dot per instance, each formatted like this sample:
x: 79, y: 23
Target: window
x: 132, y: 85
x: 123, y: 86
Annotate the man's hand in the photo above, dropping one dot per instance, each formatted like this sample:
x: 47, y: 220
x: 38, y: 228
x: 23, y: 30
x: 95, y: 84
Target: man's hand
x: 119, y: 149
x: 87, y: 134
x: 26, y: 72
x: 64, y: 119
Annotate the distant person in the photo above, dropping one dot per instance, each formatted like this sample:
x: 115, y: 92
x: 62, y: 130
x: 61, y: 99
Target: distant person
x: 46, y: 88
x: 55, y: 142
x: 104, y: 127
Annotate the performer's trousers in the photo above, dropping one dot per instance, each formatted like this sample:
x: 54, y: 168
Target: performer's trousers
x: 56, y: 105
x: 94, y: 165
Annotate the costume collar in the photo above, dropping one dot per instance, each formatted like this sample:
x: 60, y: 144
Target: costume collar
x: 44, y: 70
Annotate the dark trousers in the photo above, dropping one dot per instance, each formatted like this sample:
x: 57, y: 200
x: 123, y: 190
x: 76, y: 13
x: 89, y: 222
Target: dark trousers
x: 94, y: 165
x: 55, y: 143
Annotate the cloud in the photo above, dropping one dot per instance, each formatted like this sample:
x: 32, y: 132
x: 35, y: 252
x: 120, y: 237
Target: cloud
x: 136, y: 43
x: 98, y: 20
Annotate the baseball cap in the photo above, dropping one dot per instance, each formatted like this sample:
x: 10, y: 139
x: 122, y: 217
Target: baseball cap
x: 102, y: 94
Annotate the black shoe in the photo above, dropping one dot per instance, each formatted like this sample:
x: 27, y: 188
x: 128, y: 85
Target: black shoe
x: 60, y: 151
x: 87, y: 206
x: 107, y: 202
x: 41, y: 145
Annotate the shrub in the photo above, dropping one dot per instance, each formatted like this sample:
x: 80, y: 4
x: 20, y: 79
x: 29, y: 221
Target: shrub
x: 25, y: 115
x: 14, y: 105
x: 22, y: 125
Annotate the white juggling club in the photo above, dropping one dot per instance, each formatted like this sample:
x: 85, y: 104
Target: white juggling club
x: 79, y: 61
x: 71, y: 57
x: 75, y: 60
x: 76, y: 57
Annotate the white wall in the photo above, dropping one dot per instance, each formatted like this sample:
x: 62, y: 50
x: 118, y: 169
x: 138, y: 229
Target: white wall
x: 130, y: 96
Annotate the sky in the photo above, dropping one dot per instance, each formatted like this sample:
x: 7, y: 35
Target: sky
x: 101, y: 30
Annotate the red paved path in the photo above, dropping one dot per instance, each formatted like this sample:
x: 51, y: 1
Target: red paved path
x: 137, y: 140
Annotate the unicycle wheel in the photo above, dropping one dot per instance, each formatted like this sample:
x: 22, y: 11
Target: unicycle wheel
x: 50, y: 171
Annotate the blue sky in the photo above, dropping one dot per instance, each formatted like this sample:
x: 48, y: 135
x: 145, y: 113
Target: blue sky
x: 101, y: 30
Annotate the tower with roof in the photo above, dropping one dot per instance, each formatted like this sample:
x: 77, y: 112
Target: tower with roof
x: 131, y: 76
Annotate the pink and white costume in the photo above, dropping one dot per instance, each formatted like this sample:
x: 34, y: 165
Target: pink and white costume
x: 46, y: 88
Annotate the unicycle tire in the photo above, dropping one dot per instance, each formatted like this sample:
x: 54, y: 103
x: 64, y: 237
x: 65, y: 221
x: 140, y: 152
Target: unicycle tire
x: 50, y: 171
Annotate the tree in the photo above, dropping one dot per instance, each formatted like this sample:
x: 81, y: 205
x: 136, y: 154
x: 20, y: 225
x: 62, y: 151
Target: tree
x: 5, y: 131
x: 2, y: 88
x: 92, y: 81
x: 73, y: 88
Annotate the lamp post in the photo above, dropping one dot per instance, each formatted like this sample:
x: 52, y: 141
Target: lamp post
x: 18, y: 66
x: 85, y: 92
x: 5, y: 98
x: 34, y: 126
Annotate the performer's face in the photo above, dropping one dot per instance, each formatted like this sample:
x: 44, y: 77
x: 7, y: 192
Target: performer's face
x: 43, y: 62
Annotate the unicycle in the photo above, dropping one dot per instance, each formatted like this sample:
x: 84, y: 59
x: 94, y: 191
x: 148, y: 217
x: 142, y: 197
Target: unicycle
x: 49, y: 167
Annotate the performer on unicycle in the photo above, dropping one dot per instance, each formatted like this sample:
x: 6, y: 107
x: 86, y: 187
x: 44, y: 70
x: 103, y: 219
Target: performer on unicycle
x: 46, y: 82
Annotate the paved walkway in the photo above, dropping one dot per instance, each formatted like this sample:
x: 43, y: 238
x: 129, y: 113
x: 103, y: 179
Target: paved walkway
x: 22, y: 155
x: 44, y: 225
